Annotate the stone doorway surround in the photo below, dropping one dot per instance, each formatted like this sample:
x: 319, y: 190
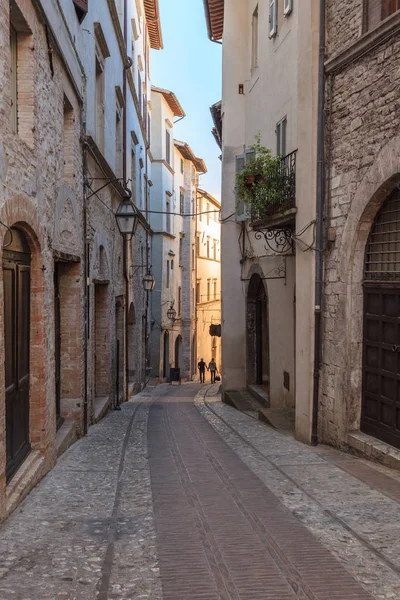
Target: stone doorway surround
x: 341, y: 389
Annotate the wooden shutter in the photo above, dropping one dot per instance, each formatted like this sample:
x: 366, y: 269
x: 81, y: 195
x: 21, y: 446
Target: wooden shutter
x: 287, y: 7
x: 81, y: 7
x: 272, y: 18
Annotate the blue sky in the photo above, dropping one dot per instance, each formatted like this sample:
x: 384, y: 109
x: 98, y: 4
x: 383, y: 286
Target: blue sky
x: 190, y: 66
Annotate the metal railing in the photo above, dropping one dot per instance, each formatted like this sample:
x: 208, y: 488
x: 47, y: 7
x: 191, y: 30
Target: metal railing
x: 278, y: 194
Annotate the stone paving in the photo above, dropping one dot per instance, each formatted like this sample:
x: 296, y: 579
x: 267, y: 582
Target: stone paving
x: 172, y: 499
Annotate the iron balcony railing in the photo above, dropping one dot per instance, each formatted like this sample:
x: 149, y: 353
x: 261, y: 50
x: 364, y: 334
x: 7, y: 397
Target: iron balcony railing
x: 278, y: 195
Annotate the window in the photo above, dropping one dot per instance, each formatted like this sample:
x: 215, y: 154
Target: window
x: 272, y: 18
x: 179, y: 300
x: 281, y: 137
x: 168, y: 274
x: 200, y: 210
x: 208, y: 290
x: 198, y: 244
x: 254, y: 39
x: 180, y: 251
x: 193, y: 256
x: 118, y: 142
x: 208, y: 247
x: 81, y: 7
x: 208, y: 213
x: 377, y: 10
x: 99, y: 101
x: 181, y: 202
x: 149, y: 128
x: 168, y: 216
x: 140, y: 92
x: 133, y: 174
x: 167, y: 146
x: 215, y: 249
x: 215, y: 288
x: 181, y: 165
x: 198, y: 290
x: 287, y: 7
x: 172, y: 265
x: 13, y: 77
x: 68, y: 141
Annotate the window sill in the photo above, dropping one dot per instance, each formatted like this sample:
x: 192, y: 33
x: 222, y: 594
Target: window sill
x: 365, y: 43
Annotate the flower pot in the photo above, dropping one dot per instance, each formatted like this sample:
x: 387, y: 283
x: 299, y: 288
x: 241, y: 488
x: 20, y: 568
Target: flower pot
x: 250, y: 179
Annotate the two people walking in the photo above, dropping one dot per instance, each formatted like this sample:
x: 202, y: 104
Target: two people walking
x: 212, y: 367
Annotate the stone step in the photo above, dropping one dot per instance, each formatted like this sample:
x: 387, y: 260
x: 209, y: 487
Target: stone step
x: 241, y: 399
x: 259, y: 394
x: 278, y: 418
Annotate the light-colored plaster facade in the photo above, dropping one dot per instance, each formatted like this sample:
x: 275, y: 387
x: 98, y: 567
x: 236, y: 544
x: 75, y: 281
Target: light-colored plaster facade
x: 208, y: 277
x: 175, y: 176
x: 280, y: 83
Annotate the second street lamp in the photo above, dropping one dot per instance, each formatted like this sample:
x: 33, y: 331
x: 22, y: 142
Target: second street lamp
x: 171, y: 313
x: 149, y: 282
x: 127, y: 215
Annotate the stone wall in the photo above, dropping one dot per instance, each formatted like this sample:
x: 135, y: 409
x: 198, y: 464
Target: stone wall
x: 363, y: 121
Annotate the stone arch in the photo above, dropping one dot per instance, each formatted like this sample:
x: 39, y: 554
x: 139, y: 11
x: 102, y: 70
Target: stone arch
x: 22, y: 216
x: 166, y: 363
x: 67, y: 232
x: 101, y: 260
x: 377, y: 184
x: 257, y: 330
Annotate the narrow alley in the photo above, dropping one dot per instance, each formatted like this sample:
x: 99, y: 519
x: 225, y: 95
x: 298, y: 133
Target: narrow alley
x: 179, y: 496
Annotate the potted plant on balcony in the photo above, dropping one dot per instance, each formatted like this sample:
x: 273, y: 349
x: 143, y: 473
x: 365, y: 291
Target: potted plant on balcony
x: 263, y: 181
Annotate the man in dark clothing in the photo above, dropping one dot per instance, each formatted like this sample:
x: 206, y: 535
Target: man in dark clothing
x: 202, y: 369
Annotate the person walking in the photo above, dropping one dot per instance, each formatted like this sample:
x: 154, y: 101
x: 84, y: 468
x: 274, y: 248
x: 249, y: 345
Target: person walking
x: 202, y: 369
x: 212, y: 367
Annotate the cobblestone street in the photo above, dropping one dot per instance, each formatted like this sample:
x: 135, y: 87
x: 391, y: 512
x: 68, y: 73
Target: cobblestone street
x: 181, y: 497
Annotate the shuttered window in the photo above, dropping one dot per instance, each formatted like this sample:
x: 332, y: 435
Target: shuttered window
x: 81, y: 7
x: 287, y: 7
x: 281, y: 137
x: 272, y: 17
x: 377, y: 10
x: 254, y: 42
x: 167, y: 146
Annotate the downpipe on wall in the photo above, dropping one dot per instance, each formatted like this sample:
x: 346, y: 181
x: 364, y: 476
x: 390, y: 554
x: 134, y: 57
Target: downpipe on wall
x: 319, y: 223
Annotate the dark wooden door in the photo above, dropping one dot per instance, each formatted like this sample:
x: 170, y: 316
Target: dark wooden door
x: 16, y: 276
x: 380, y: 415
x: 57, y: 345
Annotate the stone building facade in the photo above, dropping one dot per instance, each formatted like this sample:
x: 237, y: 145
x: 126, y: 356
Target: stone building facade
x: 70, y: 290
x: 361, y: 309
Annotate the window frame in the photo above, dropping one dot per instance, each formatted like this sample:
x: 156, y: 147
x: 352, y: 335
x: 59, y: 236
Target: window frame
x: 254, y: 39
x: 281, y: 137
x: 287, y: 7
x: 273, y: 18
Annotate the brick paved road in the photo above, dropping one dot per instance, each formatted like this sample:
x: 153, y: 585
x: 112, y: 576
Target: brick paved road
x: 221, y: 533
x: 179, y: 497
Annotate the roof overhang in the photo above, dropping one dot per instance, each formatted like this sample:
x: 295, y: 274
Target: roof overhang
x: 213, y: 200
x: 188, y: 153
x: 216, y: 113
x: 152, y: 13
x: 214, y: 10
x: 172, y: 101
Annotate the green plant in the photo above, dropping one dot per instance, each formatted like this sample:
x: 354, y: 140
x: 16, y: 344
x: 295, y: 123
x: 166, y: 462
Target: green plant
x: 263, y: 180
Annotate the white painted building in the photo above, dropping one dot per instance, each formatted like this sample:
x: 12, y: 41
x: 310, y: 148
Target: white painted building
x: 270, y: 76
x: 175, y: 174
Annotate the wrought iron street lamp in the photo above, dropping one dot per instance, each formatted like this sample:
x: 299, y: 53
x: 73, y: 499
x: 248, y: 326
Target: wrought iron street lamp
x: 127, y: 215
x: 171, y: 313
x: 149, y: 282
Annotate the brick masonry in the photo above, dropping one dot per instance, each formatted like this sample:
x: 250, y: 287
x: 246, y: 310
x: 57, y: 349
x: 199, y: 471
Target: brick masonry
x: 362, y: 145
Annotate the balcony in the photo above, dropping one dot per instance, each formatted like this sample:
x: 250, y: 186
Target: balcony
x: 274, y: 201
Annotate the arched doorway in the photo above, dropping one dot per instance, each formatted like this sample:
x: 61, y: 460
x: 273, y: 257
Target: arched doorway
x: 166, y: 355
x: 119, y: 350
x: 257, y: 333
x: 178, y: 352
x: 380, y: 414
x: 131, y: 343
x: 16, y: 281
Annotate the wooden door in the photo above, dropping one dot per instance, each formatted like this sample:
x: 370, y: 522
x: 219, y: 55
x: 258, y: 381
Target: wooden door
x: 57, y: 343
x: 16, y: 277
x: 380, y: 415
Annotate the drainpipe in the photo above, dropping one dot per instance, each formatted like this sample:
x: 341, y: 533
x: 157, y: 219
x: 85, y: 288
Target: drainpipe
x: 319, y: 223
x: 125, y: 242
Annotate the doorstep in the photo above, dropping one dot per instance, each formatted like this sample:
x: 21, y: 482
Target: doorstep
x: 101, y: 407
x: 28, y: 475
x: 66, y: 436
x: 373, y: 449
x: 260, y: 394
